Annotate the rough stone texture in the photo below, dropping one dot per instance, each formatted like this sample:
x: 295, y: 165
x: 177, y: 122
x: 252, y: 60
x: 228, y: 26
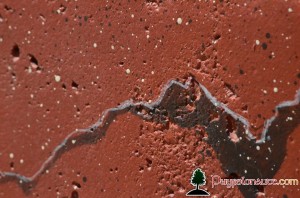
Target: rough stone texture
x: 105, y: 53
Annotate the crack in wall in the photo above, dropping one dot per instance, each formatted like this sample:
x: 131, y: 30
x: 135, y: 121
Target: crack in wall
x: 190, y: 104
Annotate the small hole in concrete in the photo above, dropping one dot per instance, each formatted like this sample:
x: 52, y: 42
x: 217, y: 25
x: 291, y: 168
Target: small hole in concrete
x: 74, y: 85
x: 84, y: 179
x: 76, y: 184
x: 74, y: 194
x: 15, y: 52
x: 33, y: 60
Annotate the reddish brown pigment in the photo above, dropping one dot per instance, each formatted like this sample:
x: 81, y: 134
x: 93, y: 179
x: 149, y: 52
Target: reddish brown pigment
x: 64, y: 63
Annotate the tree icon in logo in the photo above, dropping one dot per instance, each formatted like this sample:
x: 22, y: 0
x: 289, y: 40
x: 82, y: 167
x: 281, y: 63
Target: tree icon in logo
x: 198, y: 179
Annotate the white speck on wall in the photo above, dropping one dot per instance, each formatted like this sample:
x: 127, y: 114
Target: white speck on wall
x: 143, y: 80
x: 290, y: 10
x: 21, y: 161
x: 258, y: 148
x: 257, y: 42
x: 132, y: 15
x: 245, y: 171
x: 95, y: 45
x: 112, y: 47
x: 73, y: 141
x: 29, y: 70
x: 273, y: 54
x: 275, y: 89
x: 11, y: 155
x: 57, y: 78
x: 42, y: 147
x: 127, y: 71
x: 179, y: 21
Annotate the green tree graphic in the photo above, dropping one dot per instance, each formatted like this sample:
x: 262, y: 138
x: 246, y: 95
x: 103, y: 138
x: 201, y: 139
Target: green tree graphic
x: 198, y: 178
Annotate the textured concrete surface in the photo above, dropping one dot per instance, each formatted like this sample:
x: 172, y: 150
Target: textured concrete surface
x: 65, y: 62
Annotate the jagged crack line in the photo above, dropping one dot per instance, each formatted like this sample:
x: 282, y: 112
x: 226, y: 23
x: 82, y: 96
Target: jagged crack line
x: 98, y: 129
x: 105, y: 119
